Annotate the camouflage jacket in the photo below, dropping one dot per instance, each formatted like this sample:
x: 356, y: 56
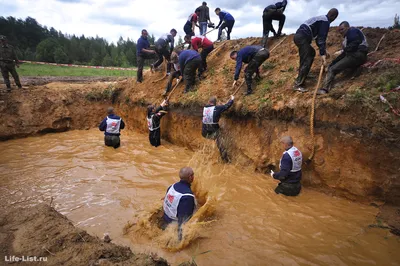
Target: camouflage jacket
x: 7, y: 53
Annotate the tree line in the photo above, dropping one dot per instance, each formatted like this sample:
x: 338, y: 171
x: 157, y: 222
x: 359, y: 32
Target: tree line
x: 35, y: 42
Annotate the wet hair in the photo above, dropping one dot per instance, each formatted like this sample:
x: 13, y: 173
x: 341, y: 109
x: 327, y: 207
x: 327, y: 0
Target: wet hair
x: 213, y: 100
x: 110, y: 110
x: 173, y: 30
x: 217, y: 9
x: 233, y: 53
x: 150, y: 109
x: 333, y: 14
x: 185, y: 173
x: 344, y: 24
x: 287, y: 140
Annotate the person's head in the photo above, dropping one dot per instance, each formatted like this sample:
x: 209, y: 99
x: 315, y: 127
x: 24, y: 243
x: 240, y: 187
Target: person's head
x: 344, y: 27
x: 332, y: 14
x: 150, y: 109
x: 3, y: 39
x: 144, y: 34
x: 204, y: 4
x: 110, y: 110
x: 233, y: 55
x: 287, y: 142
x: 212, y: 100
x: 173, y: 32
x: 186, y: 174
x: 197, y: 11
x: 188, y: 38
x: 217, y: 10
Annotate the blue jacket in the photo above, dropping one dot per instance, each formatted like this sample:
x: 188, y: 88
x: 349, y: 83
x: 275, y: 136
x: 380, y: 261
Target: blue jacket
x: 284, y: 175
x: 278, y: 5
x: 186, y: 56
x: 223, y: 15
x: 355, y: 41
x: 142, y: 43
x: 186, y: 204
x: 219, y: 109
x: 103, y: 125
x: 245, y: 55
x: 316, y: 28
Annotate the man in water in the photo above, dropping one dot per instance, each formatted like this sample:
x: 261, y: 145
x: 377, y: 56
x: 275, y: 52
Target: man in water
x: 254, y: 56
x: 210, y: 129
x: 353, y: 55
x: 290, y: 169
x: 315, y: 28
x: 180, y: 202
x: 111, y: 125
x: 153, y: 122
x: 273, y: 12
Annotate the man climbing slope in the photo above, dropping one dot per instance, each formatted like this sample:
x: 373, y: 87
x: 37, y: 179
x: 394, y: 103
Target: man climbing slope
x: 190, y: 62
x: 204, y: 44
x: 227, y: 21
x: 112, y: 125
x: 180, y: 202
x: 290, y: 169
x: 315, y: 28
x: 154, y: 116
x: 353, y: 55
x: 273, y: 12
x: 164, y: 50
x: 176, y: 72
x: 210, y: 128
x: 254, y: 56
x: 191, y: 23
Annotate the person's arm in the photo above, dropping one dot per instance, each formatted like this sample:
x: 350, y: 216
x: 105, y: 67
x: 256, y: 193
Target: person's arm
x: 172, y: 40
x: 226, y: 106
x: 286, y: 166
x: 322, y: 35
x: 185, y: 212
x: 208, y: 15
x: 122, y: 126
x: 284, y: 4
x: 239, y: 63
x: 337, y: 59
x: 14, y: 56
x: 103, y: 125
x: 220, y: 19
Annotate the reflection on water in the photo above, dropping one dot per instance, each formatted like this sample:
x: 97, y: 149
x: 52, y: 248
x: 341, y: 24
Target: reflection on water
x: 100, y: 189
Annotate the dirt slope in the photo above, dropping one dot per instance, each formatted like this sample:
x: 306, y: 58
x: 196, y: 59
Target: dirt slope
x: 43, y: 232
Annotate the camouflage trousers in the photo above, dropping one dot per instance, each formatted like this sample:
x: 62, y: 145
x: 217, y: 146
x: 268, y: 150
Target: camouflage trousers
x: 6, y: 69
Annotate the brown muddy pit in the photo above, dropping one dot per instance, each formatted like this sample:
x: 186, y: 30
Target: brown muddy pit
x: 242, y: 223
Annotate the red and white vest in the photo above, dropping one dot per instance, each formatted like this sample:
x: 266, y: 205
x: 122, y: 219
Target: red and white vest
x: 150, y: 124
x: 208, y: 115
x: 113, y: 125
x: 297, y: 159
x: 171, y: 203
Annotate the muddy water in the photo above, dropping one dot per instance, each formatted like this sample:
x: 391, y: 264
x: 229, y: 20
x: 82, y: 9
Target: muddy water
x: 100, y: 189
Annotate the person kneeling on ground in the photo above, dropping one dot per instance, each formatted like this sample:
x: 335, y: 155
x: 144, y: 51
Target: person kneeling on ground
x: 190, y: 62
x: 290, y: 169
x: 254, y: 56
x: 153, y: 122
x: 176, y: 72
x: 210, y: 129
x: 180, y: 202
x: 111, y: 125
x: 354, y: 54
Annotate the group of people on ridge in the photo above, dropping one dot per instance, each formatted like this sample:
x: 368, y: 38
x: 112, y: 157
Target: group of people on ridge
x: 180, y: 202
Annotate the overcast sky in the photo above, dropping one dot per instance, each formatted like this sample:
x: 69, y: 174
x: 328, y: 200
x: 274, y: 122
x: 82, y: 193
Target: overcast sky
x: 113, y: 18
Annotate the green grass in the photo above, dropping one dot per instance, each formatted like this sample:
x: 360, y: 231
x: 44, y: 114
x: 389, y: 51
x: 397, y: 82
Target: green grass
x: 47, y: 70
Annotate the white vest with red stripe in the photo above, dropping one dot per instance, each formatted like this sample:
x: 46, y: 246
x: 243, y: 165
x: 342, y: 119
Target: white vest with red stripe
x: 150, y: 124
x: 297, y: 159
x: 171, y: 203
x: 113, y: 125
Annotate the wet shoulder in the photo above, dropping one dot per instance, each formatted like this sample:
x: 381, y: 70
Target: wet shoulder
x: 183, y: 188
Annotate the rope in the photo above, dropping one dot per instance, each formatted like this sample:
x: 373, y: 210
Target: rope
x: 313, y: 113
